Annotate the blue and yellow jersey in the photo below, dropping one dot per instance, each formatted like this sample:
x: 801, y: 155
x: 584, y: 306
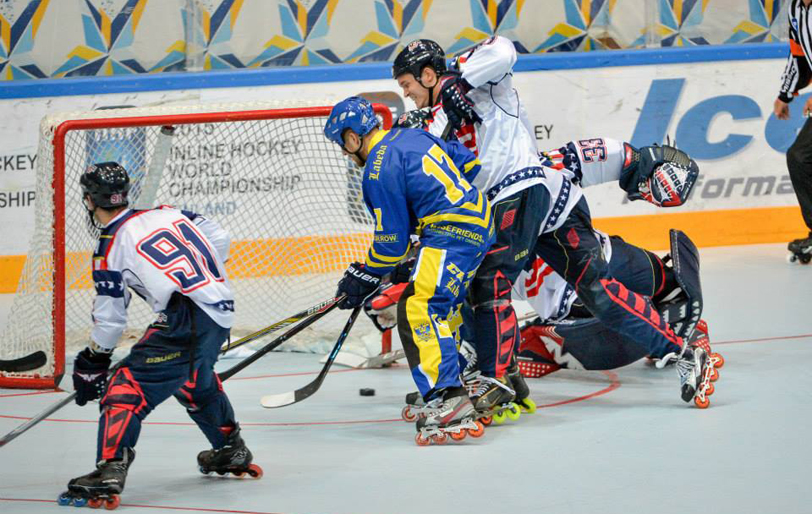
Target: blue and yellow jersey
x: 414, y: 180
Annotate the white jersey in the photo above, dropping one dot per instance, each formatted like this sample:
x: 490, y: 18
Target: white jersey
x: 586, y: 162
x: 157, y: 253
x: 504, y: 141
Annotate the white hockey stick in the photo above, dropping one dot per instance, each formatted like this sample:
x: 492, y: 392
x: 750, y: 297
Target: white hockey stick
x: 155, y: 172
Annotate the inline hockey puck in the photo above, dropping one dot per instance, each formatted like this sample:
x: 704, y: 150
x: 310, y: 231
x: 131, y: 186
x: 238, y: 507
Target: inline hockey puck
x: 367, y: 391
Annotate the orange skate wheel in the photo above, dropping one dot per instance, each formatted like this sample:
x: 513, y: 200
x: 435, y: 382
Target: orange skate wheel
x: 421, y: 441
x: 479, y: 431
x: 440, y: 438
x: 112, y: 502
x: 459, y: 436
x: 719, y: 361
x: 701, y: 402
x: 487, y: 420
x: 714, y: 375
x: 710, y: 389
x: 255, y: 471
x: 95, y: 503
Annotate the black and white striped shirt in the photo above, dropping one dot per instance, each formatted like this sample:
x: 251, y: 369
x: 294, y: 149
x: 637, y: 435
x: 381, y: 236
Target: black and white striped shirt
x: 798, y: 70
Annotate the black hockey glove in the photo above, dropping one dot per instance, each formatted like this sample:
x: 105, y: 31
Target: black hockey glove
x: 456, y: 104
x: 90, y: 375
x: 358, y: 283
x: 402, y: 271
x: 417, y: 118
x: 661, y: 175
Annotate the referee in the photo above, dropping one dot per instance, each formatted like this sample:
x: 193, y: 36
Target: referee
x: 797, y: 75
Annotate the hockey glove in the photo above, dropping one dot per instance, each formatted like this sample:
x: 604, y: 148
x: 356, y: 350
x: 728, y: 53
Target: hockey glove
x: 417, y: 118
x: 358, y: 283
x: 456, y: 104
x: 661, y: 175
x: 382, y: 308
x: 402, y: 271
x: 90, y: 375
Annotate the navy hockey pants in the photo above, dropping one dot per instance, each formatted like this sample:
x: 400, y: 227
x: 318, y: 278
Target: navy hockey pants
x: 158, y: 367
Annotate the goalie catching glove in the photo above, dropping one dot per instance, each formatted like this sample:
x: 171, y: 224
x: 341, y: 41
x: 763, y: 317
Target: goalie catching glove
x: 661, y: 175
x: 357, y: 284
x: 90, y: 375
x: 456, y: 104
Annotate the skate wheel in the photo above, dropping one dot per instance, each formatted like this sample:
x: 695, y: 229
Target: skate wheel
x: 718, y: 360
x: 487, y: 420
x: 238, y: 474
x: 514, y: 412
x: 528, y: 405
x: 407, y: 414
x: 499, y: 418
x: 421, y: 441
x: 791, y: 258
x: 95, y: 503
x: 440, y: 438
x: 459, y: 436
x: 255, y: 471
x: 710, y: 389
x: 714, y: 375
x: 112, y: 502
x: 79, y: 502
x: 63, y: 500
x: 701, y: 402
x: 479, y: 431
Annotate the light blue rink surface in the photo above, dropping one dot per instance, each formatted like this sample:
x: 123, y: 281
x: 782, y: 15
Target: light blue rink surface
x: 614, y: 442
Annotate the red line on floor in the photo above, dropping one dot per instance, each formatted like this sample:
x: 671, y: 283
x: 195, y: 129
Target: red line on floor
x: 162, y: 507
x: 613, y: 384
x: 760, y: 340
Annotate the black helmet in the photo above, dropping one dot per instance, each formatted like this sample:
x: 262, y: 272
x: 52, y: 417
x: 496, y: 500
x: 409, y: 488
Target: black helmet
x: 417, y: 55
x: 107, y: 184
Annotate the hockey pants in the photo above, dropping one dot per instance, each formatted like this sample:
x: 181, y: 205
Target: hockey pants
x: 574, y: 252
x: 799, y: 163
x: 429, y: 309
x: 495, y: 330
x: 158, y: 367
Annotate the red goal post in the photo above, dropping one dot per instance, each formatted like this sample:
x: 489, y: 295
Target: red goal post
x: 291, y: 202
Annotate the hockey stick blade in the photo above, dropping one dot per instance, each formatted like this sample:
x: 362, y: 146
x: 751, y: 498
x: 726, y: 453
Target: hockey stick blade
x: 310, y: 311
x: 383, y: 359
x: 273, y: 401
x: 27, y: 363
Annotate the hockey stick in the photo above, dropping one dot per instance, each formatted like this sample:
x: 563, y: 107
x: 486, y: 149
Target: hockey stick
x: 310, y: 311
x: 273, y: 401
x: 223, y: 376
x: 27, y: 363
x: 160, y: 154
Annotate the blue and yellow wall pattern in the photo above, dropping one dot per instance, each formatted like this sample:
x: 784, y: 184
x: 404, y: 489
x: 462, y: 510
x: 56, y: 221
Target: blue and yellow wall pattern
x: 64, y: 38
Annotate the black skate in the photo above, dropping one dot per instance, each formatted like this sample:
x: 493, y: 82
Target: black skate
x: 452, y: 414
x: 494, y: 401
x: 234, y: 458
x: 520, y: 387
x: 800, y: 250
x: 101, y: 487
x: 697, y: 371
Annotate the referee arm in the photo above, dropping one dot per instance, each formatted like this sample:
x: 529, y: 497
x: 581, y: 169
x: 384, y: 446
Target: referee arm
x: 797, y: 72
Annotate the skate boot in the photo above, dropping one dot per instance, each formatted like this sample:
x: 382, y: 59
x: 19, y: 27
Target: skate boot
x: 494, y: 400
x: 800, y: 250
x: 696, y: 373
x: 701, y: 339
x: 234, y: 458
x: 452, y: 415
x: 520, y: 387
x: 101, y: 487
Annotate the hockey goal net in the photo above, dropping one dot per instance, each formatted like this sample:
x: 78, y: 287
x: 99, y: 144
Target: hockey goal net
x: 288, y: 197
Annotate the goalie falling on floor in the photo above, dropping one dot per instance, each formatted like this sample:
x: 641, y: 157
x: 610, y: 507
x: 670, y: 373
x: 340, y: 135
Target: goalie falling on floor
x: 415, y: 183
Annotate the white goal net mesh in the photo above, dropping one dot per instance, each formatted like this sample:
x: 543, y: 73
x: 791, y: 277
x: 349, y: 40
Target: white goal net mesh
x: 290, y: 201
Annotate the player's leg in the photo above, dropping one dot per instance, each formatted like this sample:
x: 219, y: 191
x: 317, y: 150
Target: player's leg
x: 495, y: 328
x: 799, y: 163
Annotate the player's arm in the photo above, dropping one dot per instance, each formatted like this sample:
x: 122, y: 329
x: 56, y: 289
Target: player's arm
x: 589, y: 161
x: 463, y: 159
x: 489, y: 61
x: 797, y: 73
x: 216, y: 234
x: 387, y: 203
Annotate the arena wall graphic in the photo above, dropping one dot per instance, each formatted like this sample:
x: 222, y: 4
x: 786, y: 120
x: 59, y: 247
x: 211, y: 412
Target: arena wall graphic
x: 719, y: 109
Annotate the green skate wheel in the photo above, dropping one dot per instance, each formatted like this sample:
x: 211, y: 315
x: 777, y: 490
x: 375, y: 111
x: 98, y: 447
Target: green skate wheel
x: 499, y: 417
x: 527, y: 405
x: 513, y: 412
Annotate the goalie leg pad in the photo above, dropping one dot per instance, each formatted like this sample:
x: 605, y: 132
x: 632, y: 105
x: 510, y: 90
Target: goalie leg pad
x: 684, y: 312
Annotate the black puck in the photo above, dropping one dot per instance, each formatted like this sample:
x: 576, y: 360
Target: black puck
x: 367, y: 391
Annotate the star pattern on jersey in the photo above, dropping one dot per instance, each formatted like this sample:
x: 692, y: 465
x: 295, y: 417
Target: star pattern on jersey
x: 17, y: 40
x: 398, y: 22
x: 303, y: 41
x: 514, y: 178
x: 489, y: 17
x: 108, y: 42
x: 585, y: 28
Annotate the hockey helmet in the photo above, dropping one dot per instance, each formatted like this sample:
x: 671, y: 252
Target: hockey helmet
x: 107, y: 184
x: 354, y: 113
x: 417, y: 55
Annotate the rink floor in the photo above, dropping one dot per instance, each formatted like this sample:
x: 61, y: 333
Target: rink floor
x: 604, y: 442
